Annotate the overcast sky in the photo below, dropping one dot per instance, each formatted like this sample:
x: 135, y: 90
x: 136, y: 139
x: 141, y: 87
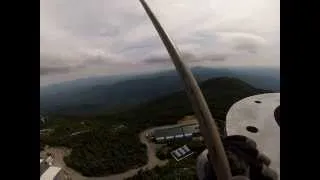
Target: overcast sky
x: 80, y: 38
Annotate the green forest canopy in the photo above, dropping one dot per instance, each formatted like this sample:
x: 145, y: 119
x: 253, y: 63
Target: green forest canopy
x: 107, y: 149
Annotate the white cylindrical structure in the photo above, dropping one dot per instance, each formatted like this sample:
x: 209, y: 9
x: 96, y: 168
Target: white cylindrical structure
x: 254, y: 117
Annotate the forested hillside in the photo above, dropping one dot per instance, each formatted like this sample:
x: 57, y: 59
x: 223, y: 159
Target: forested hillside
x: 112, y: 145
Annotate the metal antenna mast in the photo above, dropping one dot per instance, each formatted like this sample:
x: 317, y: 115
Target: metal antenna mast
x: 207, y: 124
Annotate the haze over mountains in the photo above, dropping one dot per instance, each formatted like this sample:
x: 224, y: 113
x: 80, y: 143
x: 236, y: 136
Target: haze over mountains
x: 101, y: 94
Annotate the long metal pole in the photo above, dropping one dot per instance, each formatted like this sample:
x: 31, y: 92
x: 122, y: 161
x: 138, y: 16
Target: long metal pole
x: 207, y: 124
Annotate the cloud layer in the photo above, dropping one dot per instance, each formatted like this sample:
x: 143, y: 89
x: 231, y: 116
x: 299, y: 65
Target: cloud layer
x: 107, y: 36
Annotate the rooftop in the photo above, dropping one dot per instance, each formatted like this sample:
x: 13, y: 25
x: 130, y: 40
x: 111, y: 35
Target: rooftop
x: 181, y: 153
x: 191, y: 128
x: 50, y: 173
x: 176, y: 130
x: 167, y: 132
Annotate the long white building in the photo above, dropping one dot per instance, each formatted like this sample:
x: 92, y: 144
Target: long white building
x: 48, y: 172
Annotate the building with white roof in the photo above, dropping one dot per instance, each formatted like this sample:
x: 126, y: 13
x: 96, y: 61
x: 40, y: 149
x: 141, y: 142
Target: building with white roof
x: 52, y: 173
x: 49, y: 172
x: 181, y: 153
x: 185, y: 131
x: 43, y: 166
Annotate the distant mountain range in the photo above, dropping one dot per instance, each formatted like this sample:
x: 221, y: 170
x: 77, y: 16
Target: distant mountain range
x: 101, y: 94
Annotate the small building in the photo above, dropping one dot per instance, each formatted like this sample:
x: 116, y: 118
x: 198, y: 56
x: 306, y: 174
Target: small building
x: 45, y: 131
x: 43, y: 119
x: 52, y: 173
x: 167, y: 134
x: 49, y: 160
x: 43, y: 166
x: 175, y: 133
x: 191, y: 130
x: 181, y: 153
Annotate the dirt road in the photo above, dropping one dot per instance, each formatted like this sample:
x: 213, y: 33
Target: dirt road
x: 59, y: 153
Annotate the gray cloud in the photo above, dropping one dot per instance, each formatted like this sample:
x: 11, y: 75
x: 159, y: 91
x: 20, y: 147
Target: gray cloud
x: 188, y: 58
x: 54, y: 65
x: 156, y: 60
x: 80, y: 35
x: 251, y: 48
x: 53, y: 70
x: 97, y: 61
x: 214, y: 57
x: 250, y: 45
x: 166, y: 59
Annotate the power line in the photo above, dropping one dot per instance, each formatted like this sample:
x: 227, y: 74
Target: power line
x: 206, y: 122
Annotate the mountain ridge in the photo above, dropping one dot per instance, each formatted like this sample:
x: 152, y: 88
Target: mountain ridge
x: 128, y: 92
